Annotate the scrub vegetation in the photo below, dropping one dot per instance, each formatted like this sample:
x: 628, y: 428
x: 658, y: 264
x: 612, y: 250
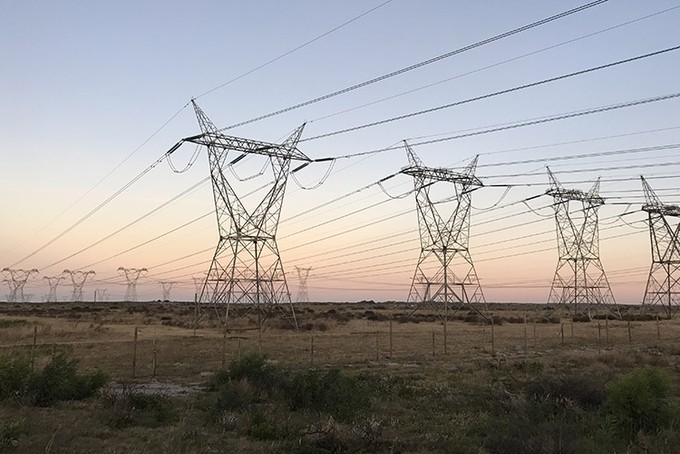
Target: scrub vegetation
x: 349, y: 387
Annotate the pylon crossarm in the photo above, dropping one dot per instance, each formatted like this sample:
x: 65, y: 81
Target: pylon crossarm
x: 442, y: 174
x: 248, y: 146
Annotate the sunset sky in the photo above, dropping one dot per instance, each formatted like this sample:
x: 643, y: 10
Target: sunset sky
x: 96, y: 92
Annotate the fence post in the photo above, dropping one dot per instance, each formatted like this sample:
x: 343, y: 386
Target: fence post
x: 238, y: 351
x: 606, y: 329
x: 134, y: 354
x: 35, y: 342
x: 377, y: 347
x: 311, y: 350
x: 493, y: 339
x: 259, y: 339
x: 572, y: 331
x: 630, y: 333
x: 391, y: 339
x: 562, y: 332
x: 445, y: 335
x: 526, y: 339
x: 433, y: 346
x: 154, y: 362
x: 224, y: 346
x: 658, y: 328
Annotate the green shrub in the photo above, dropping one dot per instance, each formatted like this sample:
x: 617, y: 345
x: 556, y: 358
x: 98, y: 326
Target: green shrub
x: 15, y: 375
x: 329, y: 392
x: 584, y: 392
x: 640, y: 401
x: 232, y: 396
x: 10, y: 432
x: 260, y: 426
x: 127, y: 408
x: 59, y: 380
x: 258, y: 371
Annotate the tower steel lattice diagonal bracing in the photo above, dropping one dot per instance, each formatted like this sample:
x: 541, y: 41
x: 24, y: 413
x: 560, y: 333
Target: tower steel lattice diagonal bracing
x: 53, y: 282
x: 132, y: 275
x: 78, y: 279
x: 580, y: 283
x: 303, y: 274
x: 246, y: 273
x: 16, y: 280
x: 167, y: 286
x: 445, y: 273
x: 663, y: 284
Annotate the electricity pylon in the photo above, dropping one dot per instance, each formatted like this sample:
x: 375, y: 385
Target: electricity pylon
x: 53, y: 282
x: 132, y: 275
x: 580, y: 282
x: 101, y: 295
x: 16, y: 279
x: 246, y: 270
x: 167, y: 286
x: 78, y: 279
x: 445, y: 273
x: 303, y: 274
x: 663, y: 284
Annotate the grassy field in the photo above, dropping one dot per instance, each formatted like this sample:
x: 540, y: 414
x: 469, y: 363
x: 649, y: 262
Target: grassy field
x: 355, y: 378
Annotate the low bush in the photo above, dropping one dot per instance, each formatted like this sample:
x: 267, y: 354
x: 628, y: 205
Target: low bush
x: 330, y: 392
x: 126, y: 408
x: 640, y: 401
x: 10, y: 432
x: 58, y: 380
x: 258, y: 371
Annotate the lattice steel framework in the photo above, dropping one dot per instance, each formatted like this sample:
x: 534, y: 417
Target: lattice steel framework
x: 132, y: 275
x: 16, y: 280
x: 53, y: 282
x: 663, y: 284
x: 167, y: 286
x: 78, y: 279
x: 445, y: 273
x: 303, y: 274
x: 246, y: 270
x: 580, y: 283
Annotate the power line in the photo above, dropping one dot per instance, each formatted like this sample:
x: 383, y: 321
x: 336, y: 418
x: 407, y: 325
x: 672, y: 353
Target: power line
x: 491, y: 95
x: 420, y: 64
x: 285, y: 54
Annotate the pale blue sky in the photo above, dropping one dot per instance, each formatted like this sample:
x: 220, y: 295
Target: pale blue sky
x: 85, y: 83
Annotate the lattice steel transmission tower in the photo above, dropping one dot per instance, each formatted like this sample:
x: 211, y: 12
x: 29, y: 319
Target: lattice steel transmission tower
x: 16, y: 280
x: 246, y: 270
x: 167, y: 286
x: 101, y: 295
x: 580, y: 282
x: 663, y: 284
x: 78, y: 279
x: 445, y: 273
x: 53, y: 282
x: 132, y: 275
x: 303, y: 274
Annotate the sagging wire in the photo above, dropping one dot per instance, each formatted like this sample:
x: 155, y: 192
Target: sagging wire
x: 191, y: 162
x: 534, y: 211
x: 323, y: 178
x: 505, y: 193
x: 626, y: 212
x: 230, y: 166
x: 393, y: 197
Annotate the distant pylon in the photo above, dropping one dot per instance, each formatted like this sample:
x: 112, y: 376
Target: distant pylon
x: 246, y: 271
x: 580, y: 282
x: 101, y: 295
x: 445, y: 273
x: 663, y: 284
x: 53, y: 282
x: 16, y: 279
x: 132, y: 275
x: 167, y: 286
x: 78, y: 279
x: 303, y: 274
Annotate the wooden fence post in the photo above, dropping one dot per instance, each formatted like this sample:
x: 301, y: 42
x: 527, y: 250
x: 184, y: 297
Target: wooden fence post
x: 562, y: 333
x: 377, y: 347
x: 658, y: 328
x: 134, y: 354
x: 391, y: 352
x: 526, y: 339
x: 311, y: 350
x: 433, y: 346
x: 35, y: 343
x: 493, y: 339
x: 154, y: 362
x: 224, y: 346
x: 606, y: 329
x: 630, y: 333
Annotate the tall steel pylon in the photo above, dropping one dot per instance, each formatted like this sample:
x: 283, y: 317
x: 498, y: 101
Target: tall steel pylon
x: 445, y: 273
x: 78, y: 279
x: 246, y: 271
x: 303, y: 274
x: 132, y: 275
x: 101, y: 295
x: 53, y: 282
x: 580, y: 282
x: 16, y: 280
x: 167, y: 286
x: 663, y: 284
